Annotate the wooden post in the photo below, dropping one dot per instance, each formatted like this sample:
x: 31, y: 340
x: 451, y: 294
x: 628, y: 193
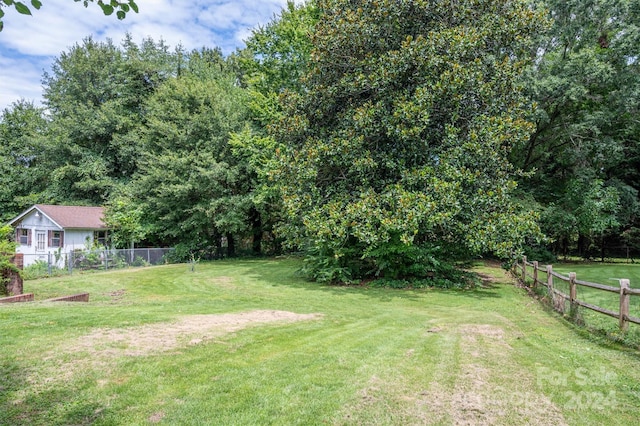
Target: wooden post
x: 535, y: 274
x: 624, y: 304
x: 524, y: 270
x: 550, y: 280
x: 573, y: 294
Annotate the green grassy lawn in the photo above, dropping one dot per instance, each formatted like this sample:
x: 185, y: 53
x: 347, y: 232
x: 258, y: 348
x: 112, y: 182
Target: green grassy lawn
x: 247, y: 342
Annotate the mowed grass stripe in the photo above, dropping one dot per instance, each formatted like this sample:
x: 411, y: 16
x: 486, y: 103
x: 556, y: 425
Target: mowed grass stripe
x: 313, y: 374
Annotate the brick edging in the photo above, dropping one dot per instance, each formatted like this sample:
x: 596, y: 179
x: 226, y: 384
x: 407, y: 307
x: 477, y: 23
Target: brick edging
x: 19, y: 298
x: 82, y: 297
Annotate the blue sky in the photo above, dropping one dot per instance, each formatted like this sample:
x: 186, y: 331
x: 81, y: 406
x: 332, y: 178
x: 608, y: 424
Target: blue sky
x: 30, y: 44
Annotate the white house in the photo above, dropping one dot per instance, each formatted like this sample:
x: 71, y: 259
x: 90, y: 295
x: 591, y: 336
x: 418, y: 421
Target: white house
x: 45, y: 232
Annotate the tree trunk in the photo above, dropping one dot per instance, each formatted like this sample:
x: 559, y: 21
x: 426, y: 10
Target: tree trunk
x: 581, y: 246
x: 218, y: 252
x: 231, y: 246
x: 277, y: 244
x: 256, y: 226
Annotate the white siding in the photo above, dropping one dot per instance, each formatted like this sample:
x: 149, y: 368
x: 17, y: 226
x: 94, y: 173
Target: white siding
x: 73, y: 239
x: 77, y: 239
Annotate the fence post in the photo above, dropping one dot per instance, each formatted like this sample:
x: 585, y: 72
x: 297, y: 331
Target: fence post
x: 624, y: 304
x: 49, y: 263
x: 550, y: 280
x: 535, y: 274
x: 70, y: 262
x: 524, y: 270
x: 573, y: 294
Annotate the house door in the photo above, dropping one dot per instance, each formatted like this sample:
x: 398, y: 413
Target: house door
x: 40, y: 240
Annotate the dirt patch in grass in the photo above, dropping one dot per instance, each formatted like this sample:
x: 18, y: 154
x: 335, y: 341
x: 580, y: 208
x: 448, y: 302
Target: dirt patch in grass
x: 97, y: 350
x: 116, y: 295
x: 223, y: 282
x: 156, y: 417
x: 470, y: 331
x: 189, y: 330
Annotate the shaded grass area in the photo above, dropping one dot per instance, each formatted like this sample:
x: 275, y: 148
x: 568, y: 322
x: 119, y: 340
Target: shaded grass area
x: 373, y: 356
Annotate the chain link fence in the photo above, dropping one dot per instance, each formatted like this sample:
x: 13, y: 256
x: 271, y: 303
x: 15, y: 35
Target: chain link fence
x: 62, y: 263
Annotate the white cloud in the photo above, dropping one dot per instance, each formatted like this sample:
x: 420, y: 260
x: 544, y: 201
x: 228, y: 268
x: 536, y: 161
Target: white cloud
x: 222, y: 16
x: 29, y: 44
x: 19, y: 81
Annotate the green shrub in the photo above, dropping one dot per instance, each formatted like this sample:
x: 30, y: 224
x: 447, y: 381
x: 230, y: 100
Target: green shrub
x: 393, y: 260
x: 398, y: 260
x: 327, y: 264
x: 140, y: 261
x: 118, y: 261
x: 185, y: 252
x: 40, y: 269
x: 539, y: 253
x: 445, y: 276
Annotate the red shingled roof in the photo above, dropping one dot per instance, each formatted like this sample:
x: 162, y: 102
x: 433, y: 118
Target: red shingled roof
x: 79, y: 217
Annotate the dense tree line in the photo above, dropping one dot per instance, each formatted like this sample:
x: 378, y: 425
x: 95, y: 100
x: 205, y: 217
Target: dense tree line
x: 583, y: 153
x: 380, y: 139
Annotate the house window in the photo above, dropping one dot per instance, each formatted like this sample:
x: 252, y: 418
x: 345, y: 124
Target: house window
x: 56, y: 238
x: 24, y: 236
x: 100, y: 238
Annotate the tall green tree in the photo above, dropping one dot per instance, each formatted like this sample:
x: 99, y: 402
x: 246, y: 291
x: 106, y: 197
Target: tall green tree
x: 24, y: 162
x: 276, y: 59
x: 95, y: 96
x: 191, y: 188
x: 588, y: 211
x: 396, y: 142
x: 124, y: 217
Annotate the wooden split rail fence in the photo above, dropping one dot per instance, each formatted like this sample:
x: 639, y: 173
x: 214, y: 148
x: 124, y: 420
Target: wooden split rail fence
x: 624, y: 290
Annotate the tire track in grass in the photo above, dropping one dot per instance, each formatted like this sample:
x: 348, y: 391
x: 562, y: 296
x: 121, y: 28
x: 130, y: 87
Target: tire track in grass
x: 489, y: 387
x: 406, y: 360
x: 475, y: 381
